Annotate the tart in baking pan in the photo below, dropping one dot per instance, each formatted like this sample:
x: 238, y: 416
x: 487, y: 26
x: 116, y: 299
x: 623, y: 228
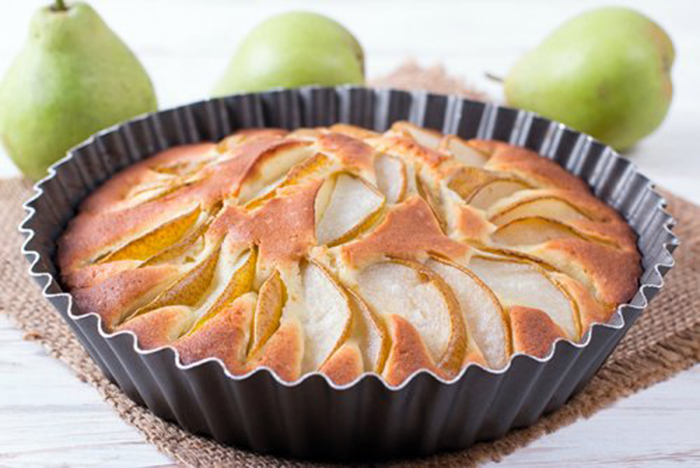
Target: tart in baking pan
x: 344, y: 251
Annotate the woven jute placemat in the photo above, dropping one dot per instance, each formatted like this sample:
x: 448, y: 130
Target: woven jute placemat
x: 664, y: 341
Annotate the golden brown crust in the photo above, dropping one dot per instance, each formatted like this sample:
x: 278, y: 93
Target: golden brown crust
x: 534, y: 331
x: 249, y: 135
x: 408, y: 229
x: 345, y: 365
x: 353, y: 131
x: 532, y: 168
x: 589, y: 309
x: 407, y: 354
x: 96, y: 273
x: 224, y: 336
x: 283, y: 228
x: 283, y: 352
x: 407, y: 148
x: 612, y: 273
x: 117, y: 297
x: 207, y: 224
x: 159, y: 327
x: 354, y: 154
x: 472, y: 225
x: 119, y: 186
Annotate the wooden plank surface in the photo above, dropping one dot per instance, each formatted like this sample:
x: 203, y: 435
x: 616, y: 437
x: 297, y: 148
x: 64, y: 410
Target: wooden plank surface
x: 49, y: 418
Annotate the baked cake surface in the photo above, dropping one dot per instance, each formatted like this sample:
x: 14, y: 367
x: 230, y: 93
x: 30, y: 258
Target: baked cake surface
x: 346, y: 251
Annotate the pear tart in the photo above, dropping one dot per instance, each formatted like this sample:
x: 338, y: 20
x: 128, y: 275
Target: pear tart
x: 345, y: 251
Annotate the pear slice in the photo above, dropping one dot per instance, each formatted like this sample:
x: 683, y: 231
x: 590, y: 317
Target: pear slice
x: 463, y: 152
x: 538, y: 230
x: 310, y: 167
x: 481, y: 188
x: 532, y: 231
x: 189, y: 289
x: 345, y: 365
x: 271, y: 166
x: 465, y: 181
x: 520, y: 283
x: 433, y: 200
x: 326, y: 315
x: 155, y: 241
x: 371, y: 333
x: 353, y: 131
x: 410, y: 290
x: 391, y: 177
x: 268, y: 311
x: 423, y: 136
x: 159, y: 327
x: 491, y: 192
x: 350, y: 209
x: 228, y: 284
x: 185, y: 167
x: 485, y: 317
x: 184, y: 251
x: 548, y: 206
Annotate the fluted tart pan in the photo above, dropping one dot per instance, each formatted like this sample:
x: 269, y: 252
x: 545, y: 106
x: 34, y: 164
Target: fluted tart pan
x: 367, y: 419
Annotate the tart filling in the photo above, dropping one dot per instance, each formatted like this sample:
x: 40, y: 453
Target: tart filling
x: 345, y: 251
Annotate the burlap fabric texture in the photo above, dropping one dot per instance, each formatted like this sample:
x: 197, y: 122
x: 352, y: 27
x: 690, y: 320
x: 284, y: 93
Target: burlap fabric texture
x: 664, y: 341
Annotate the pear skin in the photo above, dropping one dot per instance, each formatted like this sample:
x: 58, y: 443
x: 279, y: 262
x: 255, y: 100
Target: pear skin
x: 605, y: 73
x: 291, y: 50
x: 73, y: 77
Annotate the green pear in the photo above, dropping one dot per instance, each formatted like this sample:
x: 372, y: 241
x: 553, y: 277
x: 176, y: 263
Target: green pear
x: 605, y: 73
x: 73, y: 77
x: 291, y: 50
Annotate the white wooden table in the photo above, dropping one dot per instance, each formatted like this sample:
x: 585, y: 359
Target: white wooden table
x: 49, y: 418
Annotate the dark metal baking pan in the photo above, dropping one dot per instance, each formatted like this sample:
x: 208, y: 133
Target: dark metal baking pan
x: 314, y: 418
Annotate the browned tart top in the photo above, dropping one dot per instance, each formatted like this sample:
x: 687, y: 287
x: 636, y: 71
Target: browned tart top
x: 346, y: 251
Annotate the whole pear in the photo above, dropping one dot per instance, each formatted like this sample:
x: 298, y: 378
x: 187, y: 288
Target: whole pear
x: 291, y: 50
x: 605, y: 73
x: 73, y: 77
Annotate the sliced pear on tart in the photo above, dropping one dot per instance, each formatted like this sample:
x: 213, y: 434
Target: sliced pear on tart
x: 423, y: 136
x: 371, y: 334
x: 536, y: 230
x: 349, y: 209
x: 433, y: 199
x: 160, y: 327
x: 408, y: 354
x: 534, y: 331
x: 313, y: 166
x: 283, y: 352
x: 410, y: 290
x: 463, y: 152
x: 521, y: 283
x: 325, y: 315
x: 268, y: 311
x: 392, y: 178
x: 495, y: 190
x: 271, y: 166
x: 225, y: 336
x: 483, y: 314
x: 189, y: 289
x: 353, y: 131
x: 234, y: 277
x: 532, y: 230
x: 345, y: 364
x: 546, y: 205
x: 482, y: 189
x: 157, y: 240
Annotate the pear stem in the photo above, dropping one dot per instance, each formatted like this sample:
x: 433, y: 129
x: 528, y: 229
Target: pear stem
x: 493, y: 77
x: 59, y: 5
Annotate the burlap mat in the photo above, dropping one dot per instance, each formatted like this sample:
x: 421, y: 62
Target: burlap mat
x: 664, y: 341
